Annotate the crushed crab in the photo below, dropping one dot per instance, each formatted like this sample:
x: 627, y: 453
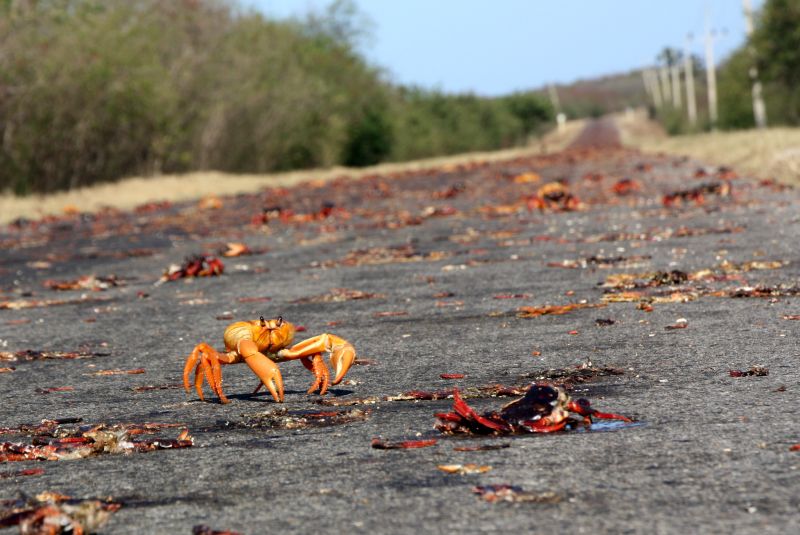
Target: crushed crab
x: 543, y: 409
x: 194, y: 266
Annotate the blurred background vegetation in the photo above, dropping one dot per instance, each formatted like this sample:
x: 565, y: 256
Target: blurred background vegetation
x: 773, y: 52
x: 96, y: 90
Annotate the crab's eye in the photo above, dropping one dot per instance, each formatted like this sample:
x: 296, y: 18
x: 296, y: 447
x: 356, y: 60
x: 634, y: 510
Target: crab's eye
x: 280, y: 321
x: 263, y: 322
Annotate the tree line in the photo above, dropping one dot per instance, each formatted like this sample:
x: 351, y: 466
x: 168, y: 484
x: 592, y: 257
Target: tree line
x: 96, y: 90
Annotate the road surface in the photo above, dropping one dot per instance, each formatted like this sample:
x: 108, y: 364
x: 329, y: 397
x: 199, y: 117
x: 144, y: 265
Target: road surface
x: 428, y: 274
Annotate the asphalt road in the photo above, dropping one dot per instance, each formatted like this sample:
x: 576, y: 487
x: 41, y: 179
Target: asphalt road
x: 437, y: 266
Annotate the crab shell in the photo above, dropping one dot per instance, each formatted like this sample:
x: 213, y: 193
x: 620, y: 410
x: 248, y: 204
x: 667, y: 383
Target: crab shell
x: 540, y: 401
x: 269, y: 335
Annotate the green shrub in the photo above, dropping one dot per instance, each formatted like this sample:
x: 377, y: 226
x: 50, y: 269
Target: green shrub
x: 95, y: 90
x: 369, y: 140
x: 735, y: 94
x: 429, y: 123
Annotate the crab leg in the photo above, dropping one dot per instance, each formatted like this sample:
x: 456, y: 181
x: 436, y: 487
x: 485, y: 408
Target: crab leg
x: 316, y: 365
x: 463, y: 410
x: 610, y: 416
x: 584, y: 408
x: 205, y: 367
x: 544, y: 425
x: 198, y: 381
x: 191, y: 362
x: 199, y: 360
x: 342, y: 353
x: 206, y: 362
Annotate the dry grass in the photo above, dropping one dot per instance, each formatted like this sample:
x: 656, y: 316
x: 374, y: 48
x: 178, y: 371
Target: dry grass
x: 132, y: 192
x: 771, y: 153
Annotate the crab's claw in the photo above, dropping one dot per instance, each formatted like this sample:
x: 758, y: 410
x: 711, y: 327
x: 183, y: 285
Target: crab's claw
x: 342, y: 357
x: 310, y: 352
x: 263, y: 367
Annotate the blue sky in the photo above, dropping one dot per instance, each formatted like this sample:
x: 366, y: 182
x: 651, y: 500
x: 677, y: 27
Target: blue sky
x: 496, y: 47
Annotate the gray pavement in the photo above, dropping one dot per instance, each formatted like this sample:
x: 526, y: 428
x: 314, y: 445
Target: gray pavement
x: 450, y: 256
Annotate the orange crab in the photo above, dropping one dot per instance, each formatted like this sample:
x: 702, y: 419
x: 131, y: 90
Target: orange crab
x: 554, y: 196
x: 261, y: 344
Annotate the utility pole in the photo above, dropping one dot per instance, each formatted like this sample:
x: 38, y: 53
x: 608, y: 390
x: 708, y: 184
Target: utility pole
x: 676, y: 84
x: 711, y: 78
x: 663, y: 73
x: 554, y: 101
x: 657, y: 97
x: 561, y: 119
x: 651, y: 84
x: 759, y: 109
x: 646, y: 82
x: 691, y: 98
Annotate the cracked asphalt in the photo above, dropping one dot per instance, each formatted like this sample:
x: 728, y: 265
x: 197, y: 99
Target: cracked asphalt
x: 436, y: 266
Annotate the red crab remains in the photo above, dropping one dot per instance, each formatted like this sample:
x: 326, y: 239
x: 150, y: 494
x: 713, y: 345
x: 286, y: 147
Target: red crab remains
x: 543, y: 409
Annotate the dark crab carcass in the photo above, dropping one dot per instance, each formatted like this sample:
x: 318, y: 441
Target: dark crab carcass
x: 543, y: 409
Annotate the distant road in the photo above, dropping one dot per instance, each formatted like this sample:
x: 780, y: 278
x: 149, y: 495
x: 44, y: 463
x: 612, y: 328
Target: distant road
x: 598, y: 133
